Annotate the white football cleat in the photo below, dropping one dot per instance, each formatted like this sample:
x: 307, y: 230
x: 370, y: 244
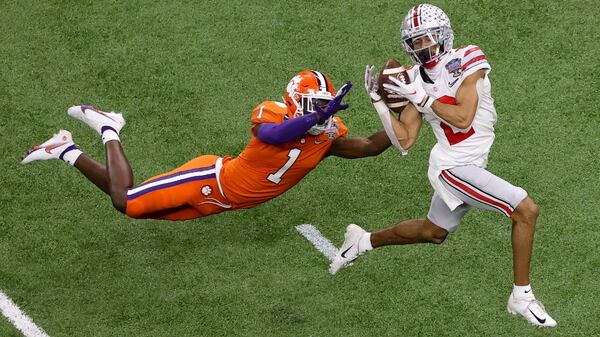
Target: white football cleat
x: 532, y: 309
x: 349, y: 251
x: 96, y: 119
x: 53, y: 148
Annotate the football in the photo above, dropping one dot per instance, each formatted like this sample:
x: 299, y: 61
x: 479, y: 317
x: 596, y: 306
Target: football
x: 392, y: 68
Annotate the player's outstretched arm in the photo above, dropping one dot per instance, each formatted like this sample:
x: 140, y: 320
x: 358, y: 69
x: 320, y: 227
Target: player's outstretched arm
x: 291, y: 129
x: 286, y: 131
x: 406, y: 130
x: 360, y: 147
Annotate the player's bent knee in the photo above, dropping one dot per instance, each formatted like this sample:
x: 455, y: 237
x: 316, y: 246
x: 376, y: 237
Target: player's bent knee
x: 438, y: 237
x: 527, y: 211
x: 119, y: 201
x: 534, y: 209
x: 435, y: 234
x: 119, y: 206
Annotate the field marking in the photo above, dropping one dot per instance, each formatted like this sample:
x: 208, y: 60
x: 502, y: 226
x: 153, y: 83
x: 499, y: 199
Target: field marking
x: 312, y: 234
x: 18, y: 318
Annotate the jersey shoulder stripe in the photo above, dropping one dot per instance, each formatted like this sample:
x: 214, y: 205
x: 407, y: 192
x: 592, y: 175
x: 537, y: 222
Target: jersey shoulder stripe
x: 473, y: 57
x: 471, y: 49
x: 474, y: 62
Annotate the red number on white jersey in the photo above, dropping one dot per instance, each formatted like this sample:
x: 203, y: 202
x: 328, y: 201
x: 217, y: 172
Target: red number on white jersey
x: 453, y: 137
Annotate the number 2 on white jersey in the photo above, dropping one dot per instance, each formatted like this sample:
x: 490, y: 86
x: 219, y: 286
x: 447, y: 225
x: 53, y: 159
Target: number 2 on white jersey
x: 456, y: 137
x: 293, y: 156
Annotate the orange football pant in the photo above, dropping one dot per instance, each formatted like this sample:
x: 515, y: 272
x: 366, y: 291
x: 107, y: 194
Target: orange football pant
x: 188, y: 192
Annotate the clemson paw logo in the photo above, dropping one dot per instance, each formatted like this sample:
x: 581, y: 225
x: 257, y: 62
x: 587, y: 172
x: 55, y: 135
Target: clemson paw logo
x: 206, y: 190
x: 293, y: 85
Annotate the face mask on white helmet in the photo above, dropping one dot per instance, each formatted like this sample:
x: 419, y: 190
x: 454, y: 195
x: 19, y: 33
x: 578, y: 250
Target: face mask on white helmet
x: 308, y: 102
x: 426, y: 33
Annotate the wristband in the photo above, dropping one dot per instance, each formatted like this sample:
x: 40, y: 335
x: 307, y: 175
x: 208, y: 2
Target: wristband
x: 375, y: 97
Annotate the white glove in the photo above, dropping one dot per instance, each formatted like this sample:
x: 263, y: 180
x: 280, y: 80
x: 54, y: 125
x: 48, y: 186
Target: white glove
x: 371, y: 77
x: 414, y: 92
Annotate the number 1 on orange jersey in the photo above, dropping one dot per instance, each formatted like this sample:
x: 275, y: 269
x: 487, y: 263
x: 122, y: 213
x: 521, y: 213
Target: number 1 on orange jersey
x: 293, y: 156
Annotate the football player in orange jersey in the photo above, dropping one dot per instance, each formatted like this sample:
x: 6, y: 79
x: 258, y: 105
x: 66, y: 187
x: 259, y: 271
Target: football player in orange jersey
x: 288, y: 140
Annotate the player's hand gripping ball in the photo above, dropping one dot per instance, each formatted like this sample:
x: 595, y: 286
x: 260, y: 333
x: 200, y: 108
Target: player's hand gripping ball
x: 393, y: 68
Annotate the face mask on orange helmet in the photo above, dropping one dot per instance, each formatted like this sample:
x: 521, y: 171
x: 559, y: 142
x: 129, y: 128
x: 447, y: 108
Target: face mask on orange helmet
x: 305, y: 90
x: 431, y: 24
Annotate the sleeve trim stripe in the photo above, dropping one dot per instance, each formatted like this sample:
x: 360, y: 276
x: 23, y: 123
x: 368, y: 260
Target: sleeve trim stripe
x: 472, y: 55
x: 478, y: 58
x: 477, y: 66
x: 470, y: 51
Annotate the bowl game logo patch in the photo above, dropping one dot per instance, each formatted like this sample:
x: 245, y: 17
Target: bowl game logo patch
x: 454, y: 67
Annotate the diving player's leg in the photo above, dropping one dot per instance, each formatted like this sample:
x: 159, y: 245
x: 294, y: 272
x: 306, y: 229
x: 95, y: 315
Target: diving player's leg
x: 183, y: 212
x: 108, y: 125
x: 120, y: 176
x: 188, y: 192
x: 62, y: 147
x: 94, y: 171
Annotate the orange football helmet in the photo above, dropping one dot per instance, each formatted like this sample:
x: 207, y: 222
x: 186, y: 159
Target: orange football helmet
x: 307, y: 89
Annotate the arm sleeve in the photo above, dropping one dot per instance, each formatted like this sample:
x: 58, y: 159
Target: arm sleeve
x: 384, y: 114
x: 286, y: 131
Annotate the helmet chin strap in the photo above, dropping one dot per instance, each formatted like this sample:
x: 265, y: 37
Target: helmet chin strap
x: 431, y: 64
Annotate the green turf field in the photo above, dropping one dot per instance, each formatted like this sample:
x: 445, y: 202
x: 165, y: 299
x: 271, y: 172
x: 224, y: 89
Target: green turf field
x: 186, y: 75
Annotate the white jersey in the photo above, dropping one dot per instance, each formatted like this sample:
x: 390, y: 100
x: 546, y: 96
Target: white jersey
x: 457, y: 147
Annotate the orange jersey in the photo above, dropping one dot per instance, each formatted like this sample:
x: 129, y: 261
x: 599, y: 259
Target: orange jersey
x: 263, y: 171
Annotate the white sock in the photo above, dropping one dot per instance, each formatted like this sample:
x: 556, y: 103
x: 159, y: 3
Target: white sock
x: 523, y: 291
x: 364, y: 243
x: 71, y: 154
x: 109, y: 134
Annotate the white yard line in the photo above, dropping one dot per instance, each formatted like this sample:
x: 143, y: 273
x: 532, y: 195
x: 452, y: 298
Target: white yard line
x: 18, y: 318
x: 312, y: 234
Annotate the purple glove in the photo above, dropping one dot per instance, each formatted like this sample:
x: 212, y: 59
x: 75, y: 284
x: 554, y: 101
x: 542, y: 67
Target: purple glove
x: 336, y: 103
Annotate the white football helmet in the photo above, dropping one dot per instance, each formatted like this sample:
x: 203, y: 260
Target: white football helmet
x: 426, y: 20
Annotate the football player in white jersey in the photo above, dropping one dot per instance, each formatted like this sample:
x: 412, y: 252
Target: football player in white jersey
x: 450, y: 89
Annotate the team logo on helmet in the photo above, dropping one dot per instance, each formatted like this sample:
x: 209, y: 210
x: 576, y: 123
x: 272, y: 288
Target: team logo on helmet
x: 292, y: 87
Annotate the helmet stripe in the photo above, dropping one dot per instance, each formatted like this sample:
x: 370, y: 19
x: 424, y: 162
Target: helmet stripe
x: 321, y: 80
x: 416, y: 15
